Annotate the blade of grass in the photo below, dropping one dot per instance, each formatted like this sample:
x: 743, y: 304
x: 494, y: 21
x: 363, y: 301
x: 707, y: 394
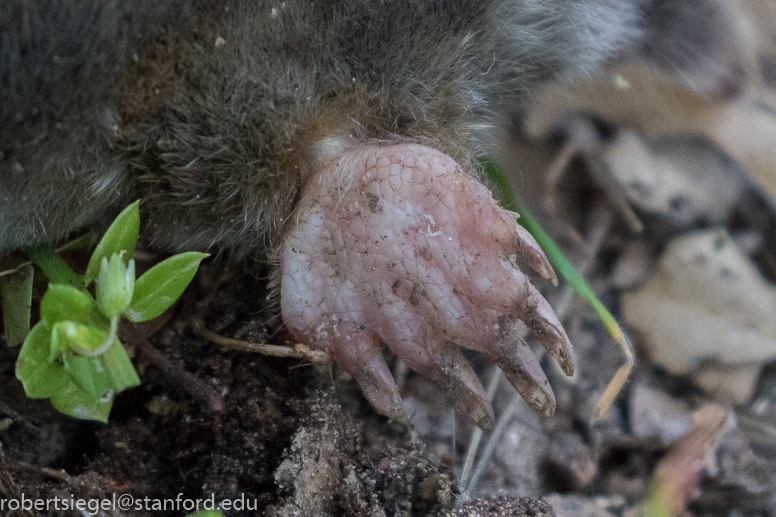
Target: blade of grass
x: 510, y: 201
x: 16, y: 302
x: 54, y: 267
x: 80, y: 242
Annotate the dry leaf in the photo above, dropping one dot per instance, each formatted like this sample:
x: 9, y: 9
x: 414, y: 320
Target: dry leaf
x: 654, y: 104
x: 706, y: 301
x: 677, y: 475
x: 681, y: 177
x: 728, y: 383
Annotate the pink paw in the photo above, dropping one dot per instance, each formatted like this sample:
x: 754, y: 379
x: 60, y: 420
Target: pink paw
x: 398, y: 244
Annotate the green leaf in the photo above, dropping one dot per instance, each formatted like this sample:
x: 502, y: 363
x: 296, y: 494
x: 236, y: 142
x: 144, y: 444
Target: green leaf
x: 98, y: 320
x: 41, y: 378
x: 76, y: 337
x: 16, y: 299
x: 65, y: 302
x: 120, y: 370
x: 161, y: 285
x: 89, y: 373
x: 121, y: 237
x: 658, y: 504
x: 54, y: 267
x: 75, y: 401
x: 51, y: 379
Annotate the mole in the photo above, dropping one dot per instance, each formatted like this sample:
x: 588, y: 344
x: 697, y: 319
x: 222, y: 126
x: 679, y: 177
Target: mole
x: 337, y: 139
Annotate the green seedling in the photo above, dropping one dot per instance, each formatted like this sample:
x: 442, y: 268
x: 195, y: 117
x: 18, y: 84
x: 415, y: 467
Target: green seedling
x: 510, y: 201
x: 73, y: 355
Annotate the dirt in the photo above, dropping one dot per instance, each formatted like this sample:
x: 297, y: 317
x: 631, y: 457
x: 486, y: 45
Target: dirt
x: 284, y: 442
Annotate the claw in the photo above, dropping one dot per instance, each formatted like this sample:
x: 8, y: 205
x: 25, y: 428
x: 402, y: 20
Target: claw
x: 543, y: 322
x: 446, y: 365
x: 516, y: 295
x: 522, y: 370
x: 464, y: 387
x: 379, y: 387
x: 531, y: 253
x: 358, y: 352
x: 503, y: 226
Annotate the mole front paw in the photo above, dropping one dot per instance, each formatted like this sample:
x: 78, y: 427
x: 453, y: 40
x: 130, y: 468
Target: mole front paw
x: 397, y: 244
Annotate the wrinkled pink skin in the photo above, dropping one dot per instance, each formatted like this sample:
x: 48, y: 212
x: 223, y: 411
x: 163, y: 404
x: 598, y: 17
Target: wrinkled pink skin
x: 398, y: 244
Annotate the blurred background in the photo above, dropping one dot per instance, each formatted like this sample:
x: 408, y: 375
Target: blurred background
x: 660, y: 190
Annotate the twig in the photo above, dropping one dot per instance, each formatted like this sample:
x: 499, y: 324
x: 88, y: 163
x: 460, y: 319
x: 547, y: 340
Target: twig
x: 493, y: 440
x: 299, y: 351
x: 210, y: 400
x: 555, y: 174
x: 61, y: 475
x: 619, y: 379
x: 16, y: 417
x: 474, y: 441
x: 600, y: 228
x: 615, y: 193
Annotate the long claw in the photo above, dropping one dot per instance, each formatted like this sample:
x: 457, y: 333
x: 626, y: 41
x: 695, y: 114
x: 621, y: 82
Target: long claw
x: 358, y: 352
x: 543, y: 322
x: 531, y: 253
x: 522, y: 370
x: 464, y: 387
x: 379, y: 387
x: 516, y: 295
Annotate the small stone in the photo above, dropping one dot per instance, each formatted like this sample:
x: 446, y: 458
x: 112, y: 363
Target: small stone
x: 655, y: 414
x: 576, y: 506
x: 571, y: 456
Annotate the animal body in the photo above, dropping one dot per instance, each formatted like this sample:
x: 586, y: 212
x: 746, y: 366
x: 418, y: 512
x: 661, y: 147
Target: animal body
x: 337, y: 136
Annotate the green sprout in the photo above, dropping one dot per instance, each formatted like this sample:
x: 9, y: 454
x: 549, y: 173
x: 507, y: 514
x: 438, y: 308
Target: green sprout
x: 73, y: 355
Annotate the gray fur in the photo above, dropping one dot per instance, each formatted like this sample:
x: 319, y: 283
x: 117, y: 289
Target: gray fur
x: 694, y: 40
x: 104, y: 102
